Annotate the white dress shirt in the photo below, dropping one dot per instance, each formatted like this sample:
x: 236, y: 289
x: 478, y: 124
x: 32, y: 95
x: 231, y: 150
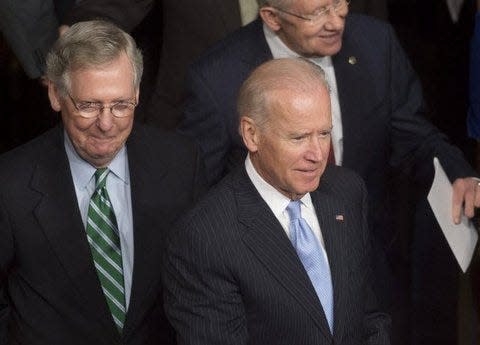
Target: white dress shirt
x: 278, y: 203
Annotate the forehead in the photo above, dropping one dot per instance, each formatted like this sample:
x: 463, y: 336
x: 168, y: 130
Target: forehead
x: 116, y: 75
x: 293, y: 109
x: 309, y: 5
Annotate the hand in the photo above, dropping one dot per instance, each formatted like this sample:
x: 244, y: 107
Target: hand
x: 466, y: 193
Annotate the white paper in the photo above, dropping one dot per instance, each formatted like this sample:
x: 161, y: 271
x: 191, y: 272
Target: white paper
x: 454, y: 7
x: 461, y: 238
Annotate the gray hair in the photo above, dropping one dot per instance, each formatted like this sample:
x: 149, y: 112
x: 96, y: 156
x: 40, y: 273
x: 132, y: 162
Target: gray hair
x: 90, y: 44
x: 296, y: 74
x: 274, y: 3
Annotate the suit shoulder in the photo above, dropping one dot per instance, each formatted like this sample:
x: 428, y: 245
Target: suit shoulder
x: 229, y: 47
x: 217, y: 204
x: 343, y: 181
x: 361, y: 21
x: 362, y: 27
x: 24, y: 156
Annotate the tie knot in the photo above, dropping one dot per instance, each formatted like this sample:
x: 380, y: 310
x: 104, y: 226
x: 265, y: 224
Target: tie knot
x: 101, y: 178
x: 293, y: 210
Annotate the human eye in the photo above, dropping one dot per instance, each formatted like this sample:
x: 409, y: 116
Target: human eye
x: 89, y: 107
x: 320, y: 12
x: 122, y: 106
x: 298, y: 137
x: 324, y: 134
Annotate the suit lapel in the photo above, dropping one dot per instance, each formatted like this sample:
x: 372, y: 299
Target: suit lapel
x: 147, y: 238
x: 265, y: 237
x: 58, y: 215
x: 256, y: 49
x: 329, y: 212
x: 355, y: 96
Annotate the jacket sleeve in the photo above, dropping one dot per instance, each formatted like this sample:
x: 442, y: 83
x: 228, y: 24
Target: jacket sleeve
x: 415, y: 141
x: 30, y: 28
x: 206, y: 124
x: 202, y: 300
x: 473, y: 120
x: 377, y: 324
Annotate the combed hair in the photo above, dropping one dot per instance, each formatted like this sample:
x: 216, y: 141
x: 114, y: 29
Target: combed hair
x: 296, y: 74
x: 274, y: 3
x: 90, y: 44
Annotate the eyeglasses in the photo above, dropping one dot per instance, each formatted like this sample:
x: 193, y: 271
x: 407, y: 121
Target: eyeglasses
x: 320, y: 15
x: 90, y: 110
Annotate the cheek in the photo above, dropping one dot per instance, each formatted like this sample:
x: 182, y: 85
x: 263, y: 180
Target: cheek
x: 75, y: 132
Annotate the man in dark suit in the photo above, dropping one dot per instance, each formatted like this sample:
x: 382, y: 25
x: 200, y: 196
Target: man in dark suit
x: 84, y: 208
x: 379, y: 127
x: 188, y: 29
x: 278, y: 252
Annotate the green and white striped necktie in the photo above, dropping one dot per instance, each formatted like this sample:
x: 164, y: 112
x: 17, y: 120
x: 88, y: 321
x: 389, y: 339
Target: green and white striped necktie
x: 102, y: 233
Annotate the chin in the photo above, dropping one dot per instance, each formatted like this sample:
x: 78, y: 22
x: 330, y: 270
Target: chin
x: 307, y: 188
x: 329, y: 50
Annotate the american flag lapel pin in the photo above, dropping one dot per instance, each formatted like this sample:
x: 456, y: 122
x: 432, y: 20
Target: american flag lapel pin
x: 339, y: 217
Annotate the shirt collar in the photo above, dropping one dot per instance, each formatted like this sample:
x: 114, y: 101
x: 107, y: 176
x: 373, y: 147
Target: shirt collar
x: 274, y: 199
x: 83, y: 172
x: 280, y: 50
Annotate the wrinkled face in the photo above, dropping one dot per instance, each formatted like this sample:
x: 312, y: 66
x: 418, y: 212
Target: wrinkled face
x: 321, y: 37
x: 99, y: 139
x: 292, y: 148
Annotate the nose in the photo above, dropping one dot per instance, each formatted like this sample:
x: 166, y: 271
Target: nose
x: 334, y: 21
x: 318, y: 149
x: 105, y: 120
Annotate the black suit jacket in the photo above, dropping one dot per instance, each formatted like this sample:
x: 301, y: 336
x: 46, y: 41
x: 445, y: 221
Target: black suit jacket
x: 49, y: 289
x: 232, y: 276
x: 383, y: 118
x: 189, y: 27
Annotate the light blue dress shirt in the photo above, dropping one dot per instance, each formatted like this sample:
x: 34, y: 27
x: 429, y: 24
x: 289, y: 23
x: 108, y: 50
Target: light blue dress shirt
x: 118, y: 187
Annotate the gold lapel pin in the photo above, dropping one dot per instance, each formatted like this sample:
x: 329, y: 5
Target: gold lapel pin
x: 352, y: 60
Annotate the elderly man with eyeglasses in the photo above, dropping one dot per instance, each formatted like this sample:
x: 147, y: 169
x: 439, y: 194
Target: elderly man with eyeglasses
x: 379, y: 131
x: 85, y: 208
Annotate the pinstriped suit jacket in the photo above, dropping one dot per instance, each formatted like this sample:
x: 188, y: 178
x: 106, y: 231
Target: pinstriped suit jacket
x: 231, y: 275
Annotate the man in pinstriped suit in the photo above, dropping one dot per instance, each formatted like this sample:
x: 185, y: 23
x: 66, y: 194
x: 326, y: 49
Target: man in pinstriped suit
x: 231, y: 272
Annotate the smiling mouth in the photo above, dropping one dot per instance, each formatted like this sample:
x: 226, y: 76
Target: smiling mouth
x: 310, y: 172
x: 102, y: 139
x: 331, y: 38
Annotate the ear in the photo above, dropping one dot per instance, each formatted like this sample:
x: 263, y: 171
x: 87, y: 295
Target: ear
x: 270, y: 17
x: 137, y: 96
x: 250, y: 133
x: 54, y: 96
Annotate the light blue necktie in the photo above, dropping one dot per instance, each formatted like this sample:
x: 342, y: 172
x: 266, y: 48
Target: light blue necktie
x: 310, y: 253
